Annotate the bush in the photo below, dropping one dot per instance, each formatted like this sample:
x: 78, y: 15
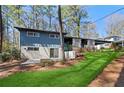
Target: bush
x: 10, y: 54
x: 5, y: 56
x: 15, y: 53
x: 46, y: 62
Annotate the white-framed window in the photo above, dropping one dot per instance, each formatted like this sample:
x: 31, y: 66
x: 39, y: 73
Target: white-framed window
x: 54, y: 52
x: 33, y: 34
x: 55, y: 36
x: 33, y: 48
x: 51, y: 35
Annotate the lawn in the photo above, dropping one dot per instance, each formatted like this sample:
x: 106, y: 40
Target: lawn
x: 78, y: 75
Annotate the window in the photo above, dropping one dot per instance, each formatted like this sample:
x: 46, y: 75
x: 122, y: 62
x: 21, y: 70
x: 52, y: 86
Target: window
x: 54, y: 52
x: 33, y: 34
x: 33, y: 49
x: 54, y: 36
x: 51, y: 35
x: 36, y: 34
x: 57, y: 36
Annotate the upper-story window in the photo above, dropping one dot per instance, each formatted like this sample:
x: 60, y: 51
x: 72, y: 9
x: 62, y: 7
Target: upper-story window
x: 33, y: 34
x: 55, y: 36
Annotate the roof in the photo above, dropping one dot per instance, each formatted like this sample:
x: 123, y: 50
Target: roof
x: 44, y: 31
x: 112, y: 36
x: 37, y: 30
x: 118, y: 41
x: 84, y: 38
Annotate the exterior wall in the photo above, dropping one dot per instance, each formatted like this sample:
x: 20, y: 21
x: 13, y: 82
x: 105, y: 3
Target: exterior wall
x: 76, y: 42
x: 106, y: 45
x: 90, y: 43
x: 32, y: 41
x: 44, y: 43
x: 43, y: 53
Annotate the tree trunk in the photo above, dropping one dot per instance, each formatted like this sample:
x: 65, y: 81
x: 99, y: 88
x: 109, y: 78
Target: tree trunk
x: 50, y: 17
x: 61, y: 35
x: 33, y: 17
x: 18, y: 8
x: 78, y: 29
x: 78, y: 24
x: 1, y: 30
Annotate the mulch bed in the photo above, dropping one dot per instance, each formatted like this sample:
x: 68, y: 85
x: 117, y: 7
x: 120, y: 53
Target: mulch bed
x: 9, y: 68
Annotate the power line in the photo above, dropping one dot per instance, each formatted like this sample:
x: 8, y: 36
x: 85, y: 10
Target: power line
x: 108, y: 15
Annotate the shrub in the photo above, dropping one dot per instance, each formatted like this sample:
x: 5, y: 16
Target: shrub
x: 15, y: 53
x: 10, y: 54
x: 5, y: 56
x: 46, y: 62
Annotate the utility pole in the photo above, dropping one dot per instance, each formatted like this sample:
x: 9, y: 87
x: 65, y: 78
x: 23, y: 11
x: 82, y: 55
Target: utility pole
x: 1, y: 30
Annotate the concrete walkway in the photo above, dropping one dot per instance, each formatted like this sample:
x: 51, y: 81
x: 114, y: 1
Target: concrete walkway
x: 112, y: 75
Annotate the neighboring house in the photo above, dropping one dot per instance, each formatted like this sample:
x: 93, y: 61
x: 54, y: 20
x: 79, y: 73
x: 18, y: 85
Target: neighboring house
x: 115, y: 39
x: 40, y: 44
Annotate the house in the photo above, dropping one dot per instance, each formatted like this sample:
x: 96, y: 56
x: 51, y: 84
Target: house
x: 90, y: 43
x: 40, y: 44
x: 115, y: 39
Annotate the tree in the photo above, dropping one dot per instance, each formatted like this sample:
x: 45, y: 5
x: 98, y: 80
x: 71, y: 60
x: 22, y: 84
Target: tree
x: 115, y: 25
x: 1, y: 30
x: 49, y: 11
x: 61, y: 34
x: 89, y: 30
x: 73, y: 17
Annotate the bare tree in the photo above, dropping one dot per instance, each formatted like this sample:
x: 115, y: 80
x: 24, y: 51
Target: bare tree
x: 61, y: 34
x: 89, y: 30
x: 115, y: 24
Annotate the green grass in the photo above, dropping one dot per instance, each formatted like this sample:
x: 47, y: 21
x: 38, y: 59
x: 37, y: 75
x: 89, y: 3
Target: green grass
x: 78, y: 75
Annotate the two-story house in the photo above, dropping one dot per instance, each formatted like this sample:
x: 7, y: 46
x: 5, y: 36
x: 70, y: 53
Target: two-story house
x: 40, y: 44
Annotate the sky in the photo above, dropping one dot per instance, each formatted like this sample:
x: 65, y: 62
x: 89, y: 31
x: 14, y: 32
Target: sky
x: 97, y: 11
